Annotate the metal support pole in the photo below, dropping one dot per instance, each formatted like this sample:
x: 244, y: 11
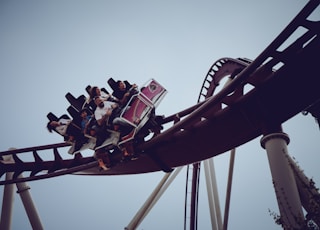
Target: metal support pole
x: 215, y: 193
x: 210, y: 197
x: 194, y: 197
x: 23, y: 191
x: 283, y: 180
x: 228, y: 196
x: 213, y: 198
x: 8, y: 197
x: 7, y: 204
x: 155, y: 195
x: 172, y: 176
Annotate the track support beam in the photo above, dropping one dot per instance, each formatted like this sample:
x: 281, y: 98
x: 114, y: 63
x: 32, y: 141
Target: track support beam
x: 153, y: 198
x: 291, y: 213
x: 7, y: 204
x: 8, y: 200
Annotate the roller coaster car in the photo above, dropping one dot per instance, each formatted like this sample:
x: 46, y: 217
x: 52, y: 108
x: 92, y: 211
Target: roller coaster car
x: 138, y: 112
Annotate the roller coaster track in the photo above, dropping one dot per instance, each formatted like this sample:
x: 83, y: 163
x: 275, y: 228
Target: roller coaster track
x: 56, y: 167
x: 200, y: 132
x: 221, y: 69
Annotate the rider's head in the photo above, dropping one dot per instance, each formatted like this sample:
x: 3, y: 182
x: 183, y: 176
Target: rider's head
x: 121, y: 85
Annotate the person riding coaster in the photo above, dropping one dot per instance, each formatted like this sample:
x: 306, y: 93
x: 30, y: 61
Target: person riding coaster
x: 117, y: 128
x: 136, y: 121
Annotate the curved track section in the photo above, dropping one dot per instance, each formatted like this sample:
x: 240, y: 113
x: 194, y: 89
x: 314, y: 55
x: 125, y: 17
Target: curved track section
x: 235, y: 116
x: 223, y: 68
x: 261, y: 96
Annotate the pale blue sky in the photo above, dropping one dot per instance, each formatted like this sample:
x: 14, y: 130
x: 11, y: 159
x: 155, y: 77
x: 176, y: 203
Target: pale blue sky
x: 49, y: 48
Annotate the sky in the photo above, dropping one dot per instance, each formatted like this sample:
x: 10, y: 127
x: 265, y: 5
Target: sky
x: 49, y: 48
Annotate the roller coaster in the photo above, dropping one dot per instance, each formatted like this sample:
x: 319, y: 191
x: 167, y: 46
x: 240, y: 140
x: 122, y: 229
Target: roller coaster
x: 258, y: 97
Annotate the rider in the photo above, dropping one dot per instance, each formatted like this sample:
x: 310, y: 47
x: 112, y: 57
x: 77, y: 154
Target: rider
x: 104, y: 116
x: 70, y: 131
x: 124, y: 91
